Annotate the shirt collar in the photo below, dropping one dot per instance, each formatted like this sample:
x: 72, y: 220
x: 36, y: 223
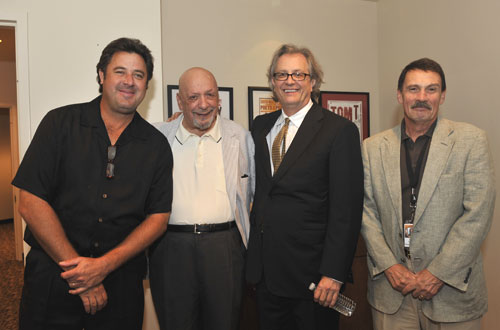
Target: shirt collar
x: 297, y: 118
x: 405, y: 136
x: 214, y: 133
x: 92, y: 117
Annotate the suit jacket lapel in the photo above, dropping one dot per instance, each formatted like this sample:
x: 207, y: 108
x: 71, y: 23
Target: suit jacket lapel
x: 306, y: 133
x: 439, y: 151
x: 390, y: 155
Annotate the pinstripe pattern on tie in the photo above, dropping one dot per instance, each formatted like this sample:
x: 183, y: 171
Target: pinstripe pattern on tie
x: 279, y: 141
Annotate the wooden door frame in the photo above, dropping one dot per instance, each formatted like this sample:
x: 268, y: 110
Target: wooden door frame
x: 14, y: 164
x: 22, y: 132
x: 14, y: 159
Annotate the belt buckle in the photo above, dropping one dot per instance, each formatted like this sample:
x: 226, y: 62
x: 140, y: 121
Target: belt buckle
x: 195, y: 230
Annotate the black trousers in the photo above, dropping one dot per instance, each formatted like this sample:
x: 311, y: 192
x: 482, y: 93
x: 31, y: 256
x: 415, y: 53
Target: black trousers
x: 281, y: 313
x: 197, y: 280
x: 47, y: 305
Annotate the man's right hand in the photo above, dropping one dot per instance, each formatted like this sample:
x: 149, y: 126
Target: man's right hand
x: 174, y: 116
x: 401, y: 278
x: 94, y: 299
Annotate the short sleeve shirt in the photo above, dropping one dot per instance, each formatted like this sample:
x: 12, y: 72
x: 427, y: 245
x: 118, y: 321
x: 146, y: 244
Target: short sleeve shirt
x: 65, y: 165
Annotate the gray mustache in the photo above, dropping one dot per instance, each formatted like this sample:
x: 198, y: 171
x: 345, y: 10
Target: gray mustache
x: 421, y: 104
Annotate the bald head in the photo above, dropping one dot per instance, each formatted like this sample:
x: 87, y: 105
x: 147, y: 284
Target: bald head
x: 198, y: 98
x: 195, y: 74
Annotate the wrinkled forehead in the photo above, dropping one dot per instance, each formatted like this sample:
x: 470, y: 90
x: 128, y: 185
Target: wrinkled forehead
x: 292, y: 61
x: 421, y: 77
x: 198, y: 81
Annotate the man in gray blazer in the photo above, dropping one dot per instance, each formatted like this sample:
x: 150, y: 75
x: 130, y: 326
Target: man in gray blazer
x: 196, y: 269
x: 429, y: 199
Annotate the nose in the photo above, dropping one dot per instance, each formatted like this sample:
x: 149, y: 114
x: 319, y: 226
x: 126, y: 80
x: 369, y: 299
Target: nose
x: 128, y: 79
x: 289, y: 80
x: 422, y: 95
x: 203, y: 102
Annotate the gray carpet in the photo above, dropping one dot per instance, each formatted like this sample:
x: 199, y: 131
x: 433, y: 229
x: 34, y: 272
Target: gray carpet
x: 11, y: 282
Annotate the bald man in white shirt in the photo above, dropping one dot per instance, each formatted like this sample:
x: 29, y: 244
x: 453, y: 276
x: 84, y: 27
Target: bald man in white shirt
x: 196, y: 269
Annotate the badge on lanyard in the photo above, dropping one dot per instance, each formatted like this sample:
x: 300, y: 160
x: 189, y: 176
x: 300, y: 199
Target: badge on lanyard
x: 408, y: 228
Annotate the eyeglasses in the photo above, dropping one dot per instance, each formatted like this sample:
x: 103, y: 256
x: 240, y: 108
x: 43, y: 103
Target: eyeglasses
x: 110, y: 168
x: 296, y: 76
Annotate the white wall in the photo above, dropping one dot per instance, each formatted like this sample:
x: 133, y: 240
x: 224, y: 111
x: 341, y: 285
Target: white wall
x: 462, y: 36
x: 65, y: 48
x: 65, y: 39
x: 236, y: 39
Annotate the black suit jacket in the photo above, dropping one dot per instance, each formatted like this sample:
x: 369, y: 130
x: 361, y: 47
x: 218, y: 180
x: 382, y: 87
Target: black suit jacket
x: 306, y: 218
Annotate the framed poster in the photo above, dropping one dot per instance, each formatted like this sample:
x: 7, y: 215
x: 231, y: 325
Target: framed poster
x: 260, y: 101
x: 225, y: 101
x: 354, y: 106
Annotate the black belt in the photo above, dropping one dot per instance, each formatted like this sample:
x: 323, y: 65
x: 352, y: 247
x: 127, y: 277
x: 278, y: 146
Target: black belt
x: 203, y: 228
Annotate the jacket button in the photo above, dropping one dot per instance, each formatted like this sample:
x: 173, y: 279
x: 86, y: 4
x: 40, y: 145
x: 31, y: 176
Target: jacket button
x: 104, y: 196
x: 100, y: 220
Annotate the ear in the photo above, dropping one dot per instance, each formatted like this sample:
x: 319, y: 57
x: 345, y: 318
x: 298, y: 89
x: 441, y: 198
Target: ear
x: 101, y: 77
x: 443, y: 96
x: 400, y: 97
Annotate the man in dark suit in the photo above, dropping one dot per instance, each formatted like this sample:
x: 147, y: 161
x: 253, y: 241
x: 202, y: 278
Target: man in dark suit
x: 307, y: 208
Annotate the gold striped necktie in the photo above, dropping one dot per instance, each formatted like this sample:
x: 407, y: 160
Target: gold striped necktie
x: 279, y: 141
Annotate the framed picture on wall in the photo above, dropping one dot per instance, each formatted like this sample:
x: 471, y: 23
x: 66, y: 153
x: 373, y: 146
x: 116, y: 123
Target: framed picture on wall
x: 225, y: 96
x: 354, y: 106
x: 260, y: 101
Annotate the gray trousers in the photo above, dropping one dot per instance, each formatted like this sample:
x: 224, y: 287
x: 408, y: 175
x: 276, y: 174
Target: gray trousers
x: 410, y: 317
x: 197, y: 280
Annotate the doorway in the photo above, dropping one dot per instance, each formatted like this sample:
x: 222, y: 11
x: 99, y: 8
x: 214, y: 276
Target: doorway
x: 9, y: 147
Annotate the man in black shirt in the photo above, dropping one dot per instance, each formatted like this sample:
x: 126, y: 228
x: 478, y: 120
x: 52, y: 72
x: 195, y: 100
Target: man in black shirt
x: 96, y: 190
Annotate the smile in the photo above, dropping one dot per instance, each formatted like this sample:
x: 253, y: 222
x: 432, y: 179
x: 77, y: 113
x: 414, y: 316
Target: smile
x: 127, y: 92
x: 204, y: 114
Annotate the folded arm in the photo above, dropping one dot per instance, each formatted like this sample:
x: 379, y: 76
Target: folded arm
x: 44, y: 223
x: 88, y: 272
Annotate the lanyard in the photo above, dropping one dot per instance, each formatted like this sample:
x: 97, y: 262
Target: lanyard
x: 414, y: 177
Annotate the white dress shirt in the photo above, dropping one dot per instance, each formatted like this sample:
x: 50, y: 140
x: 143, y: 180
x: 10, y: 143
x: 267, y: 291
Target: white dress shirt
x: 199, y: 184
x: 295, y: 121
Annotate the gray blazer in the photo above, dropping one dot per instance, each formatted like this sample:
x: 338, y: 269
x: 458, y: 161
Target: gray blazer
x: 454, y: 213
x: 239, y: 167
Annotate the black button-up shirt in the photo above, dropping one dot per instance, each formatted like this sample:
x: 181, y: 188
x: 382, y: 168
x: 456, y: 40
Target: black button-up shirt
x: 65, y: 165
x: 414, y: 148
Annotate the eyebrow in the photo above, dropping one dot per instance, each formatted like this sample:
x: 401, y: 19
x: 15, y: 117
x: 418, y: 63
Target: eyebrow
x: 124, y: 68
x: 425, y: 86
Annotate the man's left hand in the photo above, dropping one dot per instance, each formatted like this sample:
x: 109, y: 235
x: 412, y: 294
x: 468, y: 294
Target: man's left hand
x: 83, y: 273
x: 426, y: 285
x: 327, y: 291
